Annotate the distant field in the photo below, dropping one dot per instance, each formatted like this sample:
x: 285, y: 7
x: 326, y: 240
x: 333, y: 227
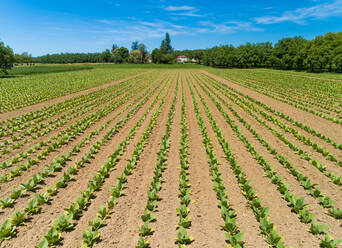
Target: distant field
x: 36, y: 84
x: 319, y: 94
x: 326, y: 75
x: 40, y: 69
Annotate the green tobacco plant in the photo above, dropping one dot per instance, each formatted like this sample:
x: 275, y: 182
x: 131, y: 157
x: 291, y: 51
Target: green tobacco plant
x: 183, y: 237
x: 53, y: 236
x: 142, y: 243
x: 17, y: 218
x: 329, y: 242
x: 7, y: 230
x: 90, y: 238
x: 63, y: 223
x: 316, y: 228
x: 96, y: 224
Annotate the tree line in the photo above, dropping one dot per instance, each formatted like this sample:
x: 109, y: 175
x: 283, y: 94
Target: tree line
x: 323, y: 53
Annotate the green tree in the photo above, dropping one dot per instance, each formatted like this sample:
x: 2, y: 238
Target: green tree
x: 6, y: 58
x: 135, y: 45
x: 23, y: 58
x: 120, y: 55
x: 135, y: 57
x: 165, y: 46
x: 106, y: 56
x: 156, y: 56
x: 143, y: 51
x: 338, y: 57
x: 114, y: 46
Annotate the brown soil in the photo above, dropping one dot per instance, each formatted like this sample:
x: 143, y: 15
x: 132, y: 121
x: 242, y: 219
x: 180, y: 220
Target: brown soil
x: 50, y: 181
x: 35, y: 107
x: 324, y: 126
x: 303, y: 76
x: 327, y: 187
x: 121, y: 229
x: 280, y: 214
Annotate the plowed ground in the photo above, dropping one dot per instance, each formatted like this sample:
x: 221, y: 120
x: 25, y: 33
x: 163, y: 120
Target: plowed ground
x: 146, y: 93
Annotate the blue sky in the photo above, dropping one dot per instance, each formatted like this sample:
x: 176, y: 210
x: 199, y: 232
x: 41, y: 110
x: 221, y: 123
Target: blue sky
x: 43, y: 26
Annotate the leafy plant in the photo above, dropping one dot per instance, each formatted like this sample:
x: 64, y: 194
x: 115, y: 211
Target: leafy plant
x: 43, y: 244
x: 235, y: 240
x: 336, y: 213
x: 32, y: 207
x: 7, y: 230
x: 53, y: 237
x: 63, y: 223
x: 17, y: 218
x: 7, y: 202
x: 329, y: 242
x: 143, y: 243
x: 90, y: 238
x: 103, y: 212
x: 145, y: 230
x: 183, y: 237
x: 95, y: 224
x: 316, y: 228
x: 147, y: 216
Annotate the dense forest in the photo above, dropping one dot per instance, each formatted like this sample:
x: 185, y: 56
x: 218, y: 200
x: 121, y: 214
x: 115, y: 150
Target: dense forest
x: 323, y: 53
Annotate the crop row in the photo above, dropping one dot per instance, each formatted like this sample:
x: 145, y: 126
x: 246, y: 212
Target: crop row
x: 78, y: 112
x: 157, y: 180
x: 296, y: 204
x: 261, y: 213
x: 34, y: 207
x: 32, y: 183
x: 24, y: 91
x: 336, y: 179
x: 324, y: 200
x: 71, y: 132
x: 184, y: 186
x: 21, y: 122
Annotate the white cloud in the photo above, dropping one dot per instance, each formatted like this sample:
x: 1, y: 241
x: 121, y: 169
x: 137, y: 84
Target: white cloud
x: 134, y: 29
x: 300, y: 15
x: 184, y: 10
x: 179, y: 8
x: 138, y: 30
x: 228, y: 27
x: 188, y: 13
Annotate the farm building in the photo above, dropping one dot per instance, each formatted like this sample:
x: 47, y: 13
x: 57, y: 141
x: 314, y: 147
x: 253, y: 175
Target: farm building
x: 182, y: 59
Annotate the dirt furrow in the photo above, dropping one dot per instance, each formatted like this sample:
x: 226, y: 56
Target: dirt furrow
x: 302, y: 165
x: 288, y: 225
x: 38, y: 167
x: 35, y: 107
x: 245, y: 217
x: 320, y: 213
x: 122, y: 227
x: 205, y: 215
x: 50, y: 181
x: 40, y: 224
x: 34, y: 142
x: 326, y: 127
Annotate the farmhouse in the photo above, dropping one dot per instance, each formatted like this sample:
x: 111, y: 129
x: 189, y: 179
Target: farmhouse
x: 182, y: 59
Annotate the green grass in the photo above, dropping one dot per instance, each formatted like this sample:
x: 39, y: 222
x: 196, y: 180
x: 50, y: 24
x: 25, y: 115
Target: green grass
x: 41, y: 69
x: 24, y: 70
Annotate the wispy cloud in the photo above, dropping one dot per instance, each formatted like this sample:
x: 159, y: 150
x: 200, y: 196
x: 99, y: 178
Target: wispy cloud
x: 300, y: 15
x: 184, y: 10
x: 178, y: 8
x: 138, y: 30
x: 228, y: 27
